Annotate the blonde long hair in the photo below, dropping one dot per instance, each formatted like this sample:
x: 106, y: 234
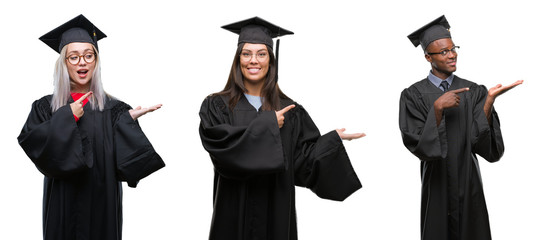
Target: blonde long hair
x: 62, y: 84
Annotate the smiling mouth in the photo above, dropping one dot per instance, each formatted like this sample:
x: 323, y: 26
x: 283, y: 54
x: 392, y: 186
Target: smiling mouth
x: 253, y: 70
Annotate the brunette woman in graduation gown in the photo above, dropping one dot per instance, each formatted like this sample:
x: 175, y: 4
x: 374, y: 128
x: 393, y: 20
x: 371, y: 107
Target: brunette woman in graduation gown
x: 262, y: 144
x: 85, y: 142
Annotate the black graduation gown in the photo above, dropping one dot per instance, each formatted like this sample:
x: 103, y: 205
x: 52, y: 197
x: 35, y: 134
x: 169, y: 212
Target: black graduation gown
x: 453, y: 204
x: 83, y: 163
x: 257, y: 164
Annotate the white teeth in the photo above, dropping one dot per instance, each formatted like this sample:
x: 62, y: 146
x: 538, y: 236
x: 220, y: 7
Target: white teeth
x: 253, y: 70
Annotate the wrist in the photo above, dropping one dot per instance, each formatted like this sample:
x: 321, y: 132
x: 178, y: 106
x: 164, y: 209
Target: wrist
x: 490, y: 100
x: 437, y: 106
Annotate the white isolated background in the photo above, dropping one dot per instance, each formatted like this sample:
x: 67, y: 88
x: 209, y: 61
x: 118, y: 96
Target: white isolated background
x: 347, y: 64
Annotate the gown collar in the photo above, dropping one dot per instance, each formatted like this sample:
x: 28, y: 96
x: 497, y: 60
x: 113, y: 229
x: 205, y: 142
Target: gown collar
x: 437, y: 81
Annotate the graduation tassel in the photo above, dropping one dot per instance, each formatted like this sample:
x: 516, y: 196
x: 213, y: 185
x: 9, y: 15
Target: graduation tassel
x: 94, y: 37
x: 277, y: 58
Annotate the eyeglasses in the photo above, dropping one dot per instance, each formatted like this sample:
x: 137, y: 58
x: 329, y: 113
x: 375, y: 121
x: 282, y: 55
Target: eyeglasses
x: 247, y: 56
x: 446, y: 51
x: 75, y: 59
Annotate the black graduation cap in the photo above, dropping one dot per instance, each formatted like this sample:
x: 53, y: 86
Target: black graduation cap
x: 78, y: 29
x: 437, y: 29
x: 256, y: 30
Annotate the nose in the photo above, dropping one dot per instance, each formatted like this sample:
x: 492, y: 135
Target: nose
x: 253, y: 59
x: 452, y: 54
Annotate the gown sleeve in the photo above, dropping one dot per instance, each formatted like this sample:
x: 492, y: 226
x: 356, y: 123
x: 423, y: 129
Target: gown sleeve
x: 321, y: 162
x: 419, y: 129
x: 53, y: 141
x: 487, y: 139
x: 135, y: 156
x: 239, y: 152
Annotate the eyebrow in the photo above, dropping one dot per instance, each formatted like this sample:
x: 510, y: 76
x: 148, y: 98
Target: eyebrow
x: 447, y: 48
x: 260, y: 50
x: 84, y: 51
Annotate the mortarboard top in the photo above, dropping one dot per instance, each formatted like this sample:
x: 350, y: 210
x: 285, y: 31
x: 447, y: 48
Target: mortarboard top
x: 256, y: 30
x: 78, y: 29
x: 437, y: 29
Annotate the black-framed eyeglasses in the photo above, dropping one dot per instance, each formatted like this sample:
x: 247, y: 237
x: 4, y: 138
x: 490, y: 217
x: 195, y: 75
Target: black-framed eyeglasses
x: 446, y: 51
x: 75, y: 59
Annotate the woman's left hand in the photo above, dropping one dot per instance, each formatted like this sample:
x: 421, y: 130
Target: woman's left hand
x: 138, y: 111
x: 349, y: 136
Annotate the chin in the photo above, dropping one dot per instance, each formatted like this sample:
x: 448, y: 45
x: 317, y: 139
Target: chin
x: 83, y: 82
x: 254, y: 79
x: 80, y: 83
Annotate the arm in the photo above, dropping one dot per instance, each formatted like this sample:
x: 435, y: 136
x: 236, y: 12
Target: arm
x: 139, y: 111
x: 449, y: 99
x: 493, y: 93
x: 321, y: 162
x: 240, y: 151
x: 421, y: 133
x: 486, y: 132
x: 53, y: 141
x: 135, y: 155
x: 349, y: 136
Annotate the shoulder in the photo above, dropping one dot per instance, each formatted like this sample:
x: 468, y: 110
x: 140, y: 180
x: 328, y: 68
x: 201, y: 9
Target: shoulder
x: 114, y: 104
x: 215, y: 101
x: 45, y: 100
x: 116, y: 108
x: 476, y: 91
x: 214, y: 105
x: 286, y: 102
x: 298, y: 108
x: 43, y: 104
x: 416, y: 88
x: 473, y: 87
x: 464, y: 82
x: 420, y: 84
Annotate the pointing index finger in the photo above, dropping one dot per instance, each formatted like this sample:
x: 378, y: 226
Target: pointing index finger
x: 84, y: 97
x: 286, y: 109
x: 460, y: 90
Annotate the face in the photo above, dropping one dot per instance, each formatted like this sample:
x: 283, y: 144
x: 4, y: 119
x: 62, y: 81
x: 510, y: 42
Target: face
x: 254, y: 61
x: 80, y: 74
x: 442, y: 66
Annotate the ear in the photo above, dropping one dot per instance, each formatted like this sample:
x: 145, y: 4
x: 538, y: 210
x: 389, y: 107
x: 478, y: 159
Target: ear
x: 428, y: 57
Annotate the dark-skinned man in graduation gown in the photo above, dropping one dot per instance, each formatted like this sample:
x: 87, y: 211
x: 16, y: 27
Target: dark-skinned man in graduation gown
x: 446, y: 121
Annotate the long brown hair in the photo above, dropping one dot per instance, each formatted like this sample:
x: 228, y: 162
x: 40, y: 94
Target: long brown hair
x: 270, y: 93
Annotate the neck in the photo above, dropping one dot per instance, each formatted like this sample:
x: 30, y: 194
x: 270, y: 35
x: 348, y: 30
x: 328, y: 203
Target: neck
x: 80, y: 88
x: 253, y: 88
x: 440, y: 74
